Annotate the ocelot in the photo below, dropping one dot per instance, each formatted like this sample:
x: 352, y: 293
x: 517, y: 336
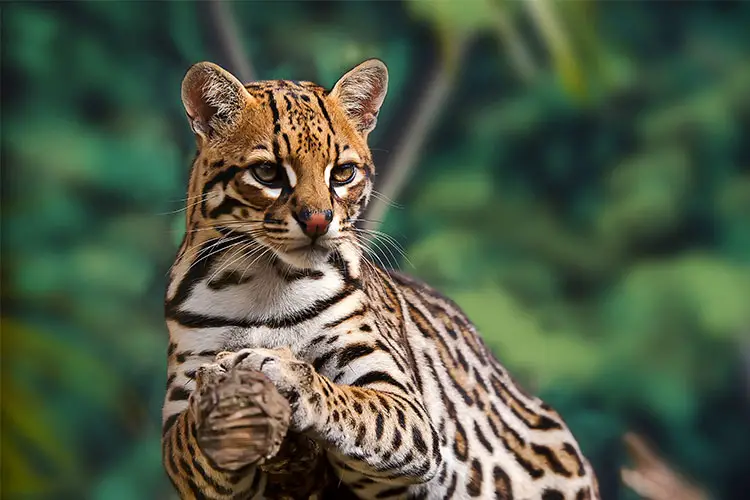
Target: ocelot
x: 387, y: 375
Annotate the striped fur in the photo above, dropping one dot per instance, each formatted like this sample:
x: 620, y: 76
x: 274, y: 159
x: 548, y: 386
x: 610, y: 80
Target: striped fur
x: 389, y: 376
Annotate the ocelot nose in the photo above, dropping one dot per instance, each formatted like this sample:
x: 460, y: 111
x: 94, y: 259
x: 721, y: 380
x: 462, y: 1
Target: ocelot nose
x: 314, y: 222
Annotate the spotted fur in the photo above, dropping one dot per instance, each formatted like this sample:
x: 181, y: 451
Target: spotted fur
x: 386, y: 374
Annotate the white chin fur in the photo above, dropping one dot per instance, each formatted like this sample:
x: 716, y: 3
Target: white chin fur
x: 305, y: 258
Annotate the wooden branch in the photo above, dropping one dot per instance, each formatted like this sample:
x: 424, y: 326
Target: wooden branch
x: 519, y: 54
x: 652, y: 478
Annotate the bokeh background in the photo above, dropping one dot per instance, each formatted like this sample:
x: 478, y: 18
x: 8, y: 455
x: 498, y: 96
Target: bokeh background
x: 575, y: 174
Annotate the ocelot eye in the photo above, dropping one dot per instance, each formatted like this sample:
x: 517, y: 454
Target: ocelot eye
x: 267, y: 174
x: 343, y: 174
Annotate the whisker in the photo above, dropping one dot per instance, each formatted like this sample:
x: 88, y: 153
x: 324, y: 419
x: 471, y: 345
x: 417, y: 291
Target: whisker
x: 187, y: 207
x: 188, y: 198
x: 251, y: 264
x: 240, y: 251
x: 365, y: 254
x: 374, y: 241
x: 369, y: 251
x: 388, y: 240
x: 380, y: 196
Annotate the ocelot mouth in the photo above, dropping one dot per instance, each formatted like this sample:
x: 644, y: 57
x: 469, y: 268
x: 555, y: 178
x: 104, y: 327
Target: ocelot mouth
x: 309, y: 255
x: 311, y: 250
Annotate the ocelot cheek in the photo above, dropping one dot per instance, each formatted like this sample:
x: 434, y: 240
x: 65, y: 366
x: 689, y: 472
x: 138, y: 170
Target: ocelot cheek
x: 355, y: 194
x: 254, y: 196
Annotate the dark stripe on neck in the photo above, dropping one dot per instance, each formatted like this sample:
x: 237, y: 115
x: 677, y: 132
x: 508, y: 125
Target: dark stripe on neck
x: 194, y: 320
x: 202, y: 262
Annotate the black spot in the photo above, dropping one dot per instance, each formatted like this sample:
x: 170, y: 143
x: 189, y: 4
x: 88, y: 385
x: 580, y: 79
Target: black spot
x: 377, y: 376
x: 321, y: 360
x: 482, y: 439
x: 392, y: 492
x: 396, y: 443
x: 552, y: 495
x: 352, y: 352
x: 451, y: 487
x: 384, y: 402
x: 570, y: 450
x: 379, y: 426
x: 314, y: 399
x: 418, y: 440
x: 461, y: 444
x: 361, y: 433
x: 179, y: 394
x: 552, y: 459
x: 474, y: 486
x: 503, y: 488
x: 169, y: 423
x: 401, y: 418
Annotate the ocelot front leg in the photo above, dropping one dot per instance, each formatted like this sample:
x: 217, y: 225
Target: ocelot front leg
x: 195, y: 473
x: 374, y: 427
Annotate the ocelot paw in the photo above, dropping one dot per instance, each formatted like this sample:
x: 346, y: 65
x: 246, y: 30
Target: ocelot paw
x: 293, y: 378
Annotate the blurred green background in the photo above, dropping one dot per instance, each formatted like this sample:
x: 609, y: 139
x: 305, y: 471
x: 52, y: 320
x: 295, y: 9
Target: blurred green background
x: 576, y: 175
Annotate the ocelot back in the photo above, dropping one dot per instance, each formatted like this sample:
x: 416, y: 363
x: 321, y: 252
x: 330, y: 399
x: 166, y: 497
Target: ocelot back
x: 388, y: 376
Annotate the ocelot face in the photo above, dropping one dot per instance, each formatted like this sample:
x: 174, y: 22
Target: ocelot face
x: 284, y: 163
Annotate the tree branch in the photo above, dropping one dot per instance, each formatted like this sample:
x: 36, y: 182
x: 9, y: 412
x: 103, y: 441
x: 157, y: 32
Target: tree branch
x: 229, y: 41
x: 652, y: 478
x: 405, y: 156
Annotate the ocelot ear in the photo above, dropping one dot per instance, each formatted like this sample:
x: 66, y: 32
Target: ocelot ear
x: 213, y: 98
x: 361, y: 92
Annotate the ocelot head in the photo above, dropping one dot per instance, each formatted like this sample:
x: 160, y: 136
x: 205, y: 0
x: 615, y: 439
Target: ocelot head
x: 285, y: 163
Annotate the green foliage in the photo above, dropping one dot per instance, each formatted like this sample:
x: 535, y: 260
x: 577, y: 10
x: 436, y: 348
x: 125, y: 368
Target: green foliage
x: 591, y: 216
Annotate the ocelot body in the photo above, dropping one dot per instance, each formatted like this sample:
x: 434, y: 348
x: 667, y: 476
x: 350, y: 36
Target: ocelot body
x: 387, y: 375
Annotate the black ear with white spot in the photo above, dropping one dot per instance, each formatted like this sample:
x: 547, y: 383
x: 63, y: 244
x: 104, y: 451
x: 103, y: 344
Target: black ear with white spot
x: 213, y: 98
x: 361, y: 93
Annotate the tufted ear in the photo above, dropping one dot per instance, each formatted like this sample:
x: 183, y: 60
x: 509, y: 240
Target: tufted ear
x: 213, y: 98
x: 361, y: 92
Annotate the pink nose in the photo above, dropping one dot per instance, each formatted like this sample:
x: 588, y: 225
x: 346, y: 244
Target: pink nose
x: 315, y: 223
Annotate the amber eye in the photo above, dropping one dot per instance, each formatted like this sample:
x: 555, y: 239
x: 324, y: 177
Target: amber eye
x: 343, y: 174
x: 267, y: 173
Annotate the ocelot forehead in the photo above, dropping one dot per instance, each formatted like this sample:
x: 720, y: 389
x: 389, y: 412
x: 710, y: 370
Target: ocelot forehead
x: 301, y: 128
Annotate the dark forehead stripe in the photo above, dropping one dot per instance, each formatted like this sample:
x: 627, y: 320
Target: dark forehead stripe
x: 324, y: 111
x: 338, y: 152
x: 274, y: 112
x: 276, y: 125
